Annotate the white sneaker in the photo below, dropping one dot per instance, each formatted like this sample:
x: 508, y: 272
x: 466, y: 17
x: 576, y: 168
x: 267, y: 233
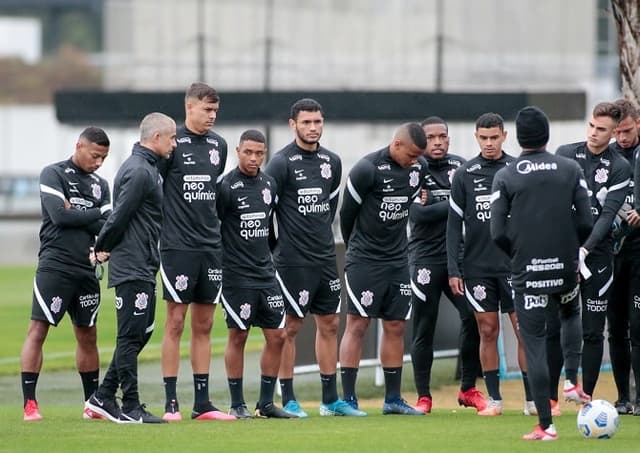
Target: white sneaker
x: 574, y: 393
x: 530, y: 408
x: 494, y: 407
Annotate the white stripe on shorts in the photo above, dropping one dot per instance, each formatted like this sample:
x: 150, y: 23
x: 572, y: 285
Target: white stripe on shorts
x: 233, y: 314
x: 353, y: 298
x: 287, y: 295
x: 472, y: 301
x: 42, y: 303
x: 169, y: 286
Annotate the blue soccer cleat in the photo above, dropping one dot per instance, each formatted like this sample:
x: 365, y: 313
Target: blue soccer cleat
x: 293, y: 408
x: 340, y: 407
x: 400, y: 407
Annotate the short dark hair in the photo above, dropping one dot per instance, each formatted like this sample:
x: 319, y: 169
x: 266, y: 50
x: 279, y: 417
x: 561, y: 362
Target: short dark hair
x: 434, y: 120
x: 202, y: 92
x: 417, y: 135
x: 609, y: 109
x: 95, y: 135
x: 628, y: 109
x: 254, y: 135
x: 306, y: 105
x: 489, y: 120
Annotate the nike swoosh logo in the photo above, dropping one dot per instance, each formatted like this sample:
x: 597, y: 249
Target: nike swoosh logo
x: 600, y: 271
x: 476, y: 181
x: 297, y: 172
x: 98, y: 401
x: 387, y: 181
x: 135, y: 313
x: 73, y: 183
x: 241, y: 199
x: 29, y: 382
x: 187, y: 154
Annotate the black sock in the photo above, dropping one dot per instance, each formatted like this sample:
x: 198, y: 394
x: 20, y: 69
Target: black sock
x: 545, y: 422
x: 236, y: 391
x: 329, y: 388
x: 349, y: 377
x: 170, y: 393
x: 201, y: 389
x: 29, y: 381
x: 267, y: 386
x: 527, y: 389
x: 392, y: 383
x: 492, y: 380
x: 89, y: 382
x: 572, y: 375
x: 286, y: 387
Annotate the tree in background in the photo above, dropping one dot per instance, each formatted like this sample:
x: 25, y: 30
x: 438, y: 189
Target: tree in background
x: 627, y: 16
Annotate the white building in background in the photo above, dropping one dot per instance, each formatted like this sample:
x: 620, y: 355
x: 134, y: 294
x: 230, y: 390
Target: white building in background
x: 486, y: 45
x: 21, y: 37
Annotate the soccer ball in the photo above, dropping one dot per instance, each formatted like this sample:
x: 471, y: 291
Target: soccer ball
x: 598, y: 420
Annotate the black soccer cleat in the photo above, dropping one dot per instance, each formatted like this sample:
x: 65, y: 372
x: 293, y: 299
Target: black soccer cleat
x: 270, y: 410
x: 104, y: 406
x: 140, y: 414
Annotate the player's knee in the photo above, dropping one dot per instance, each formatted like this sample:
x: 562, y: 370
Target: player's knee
x: 38, y: 331
x: 329, y: 327
x: 238, y: 337
x: 488, y: 332
x: 592, y: 337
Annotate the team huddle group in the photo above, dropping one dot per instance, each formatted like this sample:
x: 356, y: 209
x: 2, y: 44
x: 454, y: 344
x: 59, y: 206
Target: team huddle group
x: 548, y: 240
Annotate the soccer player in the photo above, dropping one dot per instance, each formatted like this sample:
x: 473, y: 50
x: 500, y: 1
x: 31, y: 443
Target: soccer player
x: 540, y: 215
x: 190, y: 248
x: 429, y: 278
x: 486, y: 269
x: 607, y: 174
x: 131, y: 235
x: 373, y: 220
x: 75, y: 203
x: 307, y: 177
x: 626, y: 271
x: 250, y: 293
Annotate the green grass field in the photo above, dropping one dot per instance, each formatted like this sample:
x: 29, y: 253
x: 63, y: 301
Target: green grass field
x: 443, y: 430
x: 63, y: 429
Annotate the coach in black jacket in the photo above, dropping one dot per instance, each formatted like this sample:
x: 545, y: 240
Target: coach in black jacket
x: 532, y: 220
x: 131, y: 235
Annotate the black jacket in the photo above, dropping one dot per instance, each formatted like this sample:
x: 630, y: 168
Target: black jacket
x: 132, y: 231
x: 533, y: 220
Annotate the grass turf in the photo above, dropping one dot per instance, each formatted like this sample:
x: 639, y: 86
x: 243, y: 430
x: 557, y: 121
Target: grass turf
x: 443, y: 430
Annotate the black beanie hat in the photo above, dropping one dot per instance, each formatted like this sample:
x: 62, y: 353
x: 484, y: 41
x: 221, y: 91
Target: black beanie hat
x: 532, y: 128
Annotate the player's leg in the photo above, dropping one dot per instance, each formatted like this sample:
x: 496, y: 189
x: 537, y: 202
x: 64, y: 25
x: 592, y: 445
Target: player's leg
x: 239, y: 306
x: 364, y: 293
x: 135, y: 327
x: 571, y: 338
x: 395, y: 310
x: 634, y: 328
x: 297, y: 286
x: 530, y: 309
x: 269, y: 365
x: 30, y: 365
x: 170, y: 356
x: 595, y: 297
x: 206, y: 294
x: 482, y: 296
x: 52, y: 293
x: 469, y: 345
x: 234, y: 365
x: 425, y: 302
x: 529, y: 405
x: 555, y: 356
x: 83, y: 311
x: 618, y: 312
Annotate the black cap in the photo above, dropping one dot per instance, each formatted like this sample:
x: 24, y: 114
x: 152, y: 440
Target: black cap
x: 532, y: 128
